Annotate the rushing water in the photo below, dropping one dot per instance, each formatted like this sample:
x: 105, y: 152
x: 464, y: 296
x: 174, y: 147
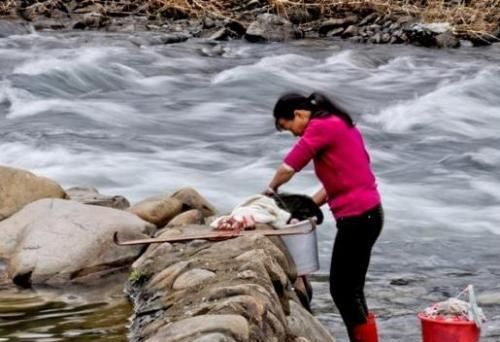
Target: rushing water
x: 139, y: 120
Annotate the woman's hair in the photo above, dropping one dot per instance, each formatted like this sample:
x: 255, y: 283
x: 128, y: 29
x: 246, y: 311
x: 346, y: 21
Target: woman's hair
x: 318, y: 104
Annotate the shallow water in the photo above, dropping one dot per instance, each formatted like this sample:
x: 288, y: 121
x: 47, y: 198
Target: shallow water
x: 100, y: 110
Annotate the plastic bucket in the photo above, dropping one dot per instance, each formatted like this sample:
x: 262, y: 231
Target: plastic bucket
x: 440, y: 330
x: 304, y: 251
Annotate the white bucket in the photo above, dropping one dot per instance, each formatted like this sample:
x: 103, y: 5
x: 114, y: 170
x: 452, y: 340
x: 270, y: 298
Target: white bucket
x: 304, y: 250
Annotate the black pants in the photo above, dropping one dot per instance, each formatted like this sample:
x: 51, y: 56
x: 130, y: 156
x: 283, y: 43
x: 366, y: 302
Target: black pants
x: 350, y: 259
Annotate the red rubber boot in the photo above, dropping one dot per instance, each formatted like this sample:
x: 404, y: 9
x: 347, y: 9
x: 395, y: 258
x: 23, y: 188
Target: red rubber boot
x: 366, y: 332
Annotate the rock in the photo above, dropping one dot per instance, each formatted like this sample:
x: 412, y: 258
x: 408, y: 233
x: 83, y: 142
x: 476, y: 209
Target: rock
x: 13, y: 27
x: 49, y: 24
x: 215, y: 337
x: 447, y: 40
x: 173, y: 38
x: 302, y: 324
x: 19, y: 187
x: 350, y: 31
x: 420, y: 35
x: 485, y: 39
x: 93, y: 197
x: 336, y: 23
x: 335, y: 32
x: 270, y: 27
x: 395, y: 26
x: 376, y: 38
x: 233, y: 325
x: 93, y: 20
x: 236, y: 27
x: 193, y: 216
x: 370, y: 18
x: 208, y: 23
x: 192, y: 278
x: 57, y: 242
x: 221, y: 34
x: 157, y: 210
x: 386, y: 37
x: 174, y: 13
x: 298, y: 15
x: 183, y: 286
x: 406, y: 19
x: 192, y: 199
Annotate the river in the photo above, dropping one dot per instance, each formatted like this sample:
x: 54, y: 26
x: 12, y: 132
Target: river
x: 134, y: 119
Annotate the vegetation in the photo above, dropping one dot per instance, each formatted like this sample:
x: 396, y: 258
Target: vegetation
x: 466, y: 17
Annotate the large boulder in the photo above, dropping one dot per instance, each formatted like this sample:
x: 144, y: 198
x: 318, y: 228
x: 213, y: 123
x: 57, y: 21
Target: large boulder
x: 56, y: 242
x: 19, y: 187
x: 192, y: 199
x: 157, y: 210
x: 270, y: 27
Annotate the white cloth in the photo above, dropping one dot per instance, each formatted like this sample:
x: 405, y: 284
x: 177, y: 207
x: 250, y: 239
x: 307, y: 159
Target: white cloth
x: 255, y: 209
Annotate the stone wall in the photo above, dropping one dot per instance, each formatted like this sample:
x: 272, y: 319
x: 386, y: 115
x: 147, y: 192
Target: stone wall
x: 232, y: 290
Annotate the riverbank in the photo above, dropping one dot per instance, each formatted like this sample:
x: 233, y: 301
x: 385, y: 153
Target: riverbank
x: 430, y: 24
x: 244, y: 288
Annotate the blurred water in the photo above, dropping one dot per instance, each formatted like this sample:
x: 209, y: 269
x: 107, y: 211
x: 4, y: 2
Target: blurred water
x: 99, y: 110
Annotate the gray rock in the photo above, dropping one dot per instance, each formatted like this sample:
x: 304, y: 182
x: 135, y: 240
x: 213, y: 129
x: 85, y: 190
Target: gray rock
x: 91, y: 196
x: 192, y: 278
x: 93, y: 20
x: 447, y: 40
x: 386, y: 37
x: 236, y: 27
x: 350, y: 31
x: 376, y: 38
x: 19, y: 187
x: 370, y: 18
x: 49, y: 24
x: 270, y: 27
x: 420, y: 35
x: 192, y: 199
x: 332, y: 24
x: 157, y: 210
x: 57, y: 242
x: 395, y: 26
x: 335, y: 32
x: 220, y: 35
x: 234, y: 325
x: 406, y: 19
x: 215, y: 337
x: 193, y: 216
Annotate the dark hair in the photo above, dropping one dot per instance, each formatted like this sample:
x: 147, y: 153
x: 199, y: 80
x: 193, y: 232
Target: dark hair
x: 318, y: 104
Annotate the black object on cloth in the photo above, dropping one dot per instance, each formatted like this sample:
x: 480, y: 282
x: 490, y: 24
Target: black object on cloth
x: 300, y: 206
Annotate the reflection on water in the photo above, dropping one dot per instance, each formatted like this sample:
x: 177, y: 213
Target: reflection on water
x: 48, y: 316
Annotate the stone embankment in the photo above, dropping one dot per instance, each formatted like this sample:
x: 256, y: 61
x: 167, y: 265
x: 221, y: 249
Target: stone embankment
x: 241, y: 289
x: 259, y: 21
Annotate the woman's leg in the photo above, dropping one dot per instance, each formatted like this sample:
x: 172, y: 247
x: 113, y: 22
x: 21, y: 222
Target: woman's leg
x: 350, y: 260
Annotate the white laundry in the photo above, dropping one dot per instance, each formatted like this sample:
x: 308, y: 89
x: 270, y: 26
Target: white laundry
x: 255, y: 209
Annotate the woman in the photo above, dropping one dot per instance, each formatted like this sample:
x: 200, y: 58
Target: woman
x: 329, y: 137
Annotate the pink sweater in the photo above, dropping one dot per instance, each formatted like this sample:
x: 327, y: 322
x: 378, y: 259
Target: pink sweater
x: 341, y: 163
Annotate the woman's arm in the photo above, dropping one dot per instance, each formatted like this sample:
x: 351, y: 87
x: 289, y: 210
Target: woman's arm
x: 320, y: 197
x: 283, y: 174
